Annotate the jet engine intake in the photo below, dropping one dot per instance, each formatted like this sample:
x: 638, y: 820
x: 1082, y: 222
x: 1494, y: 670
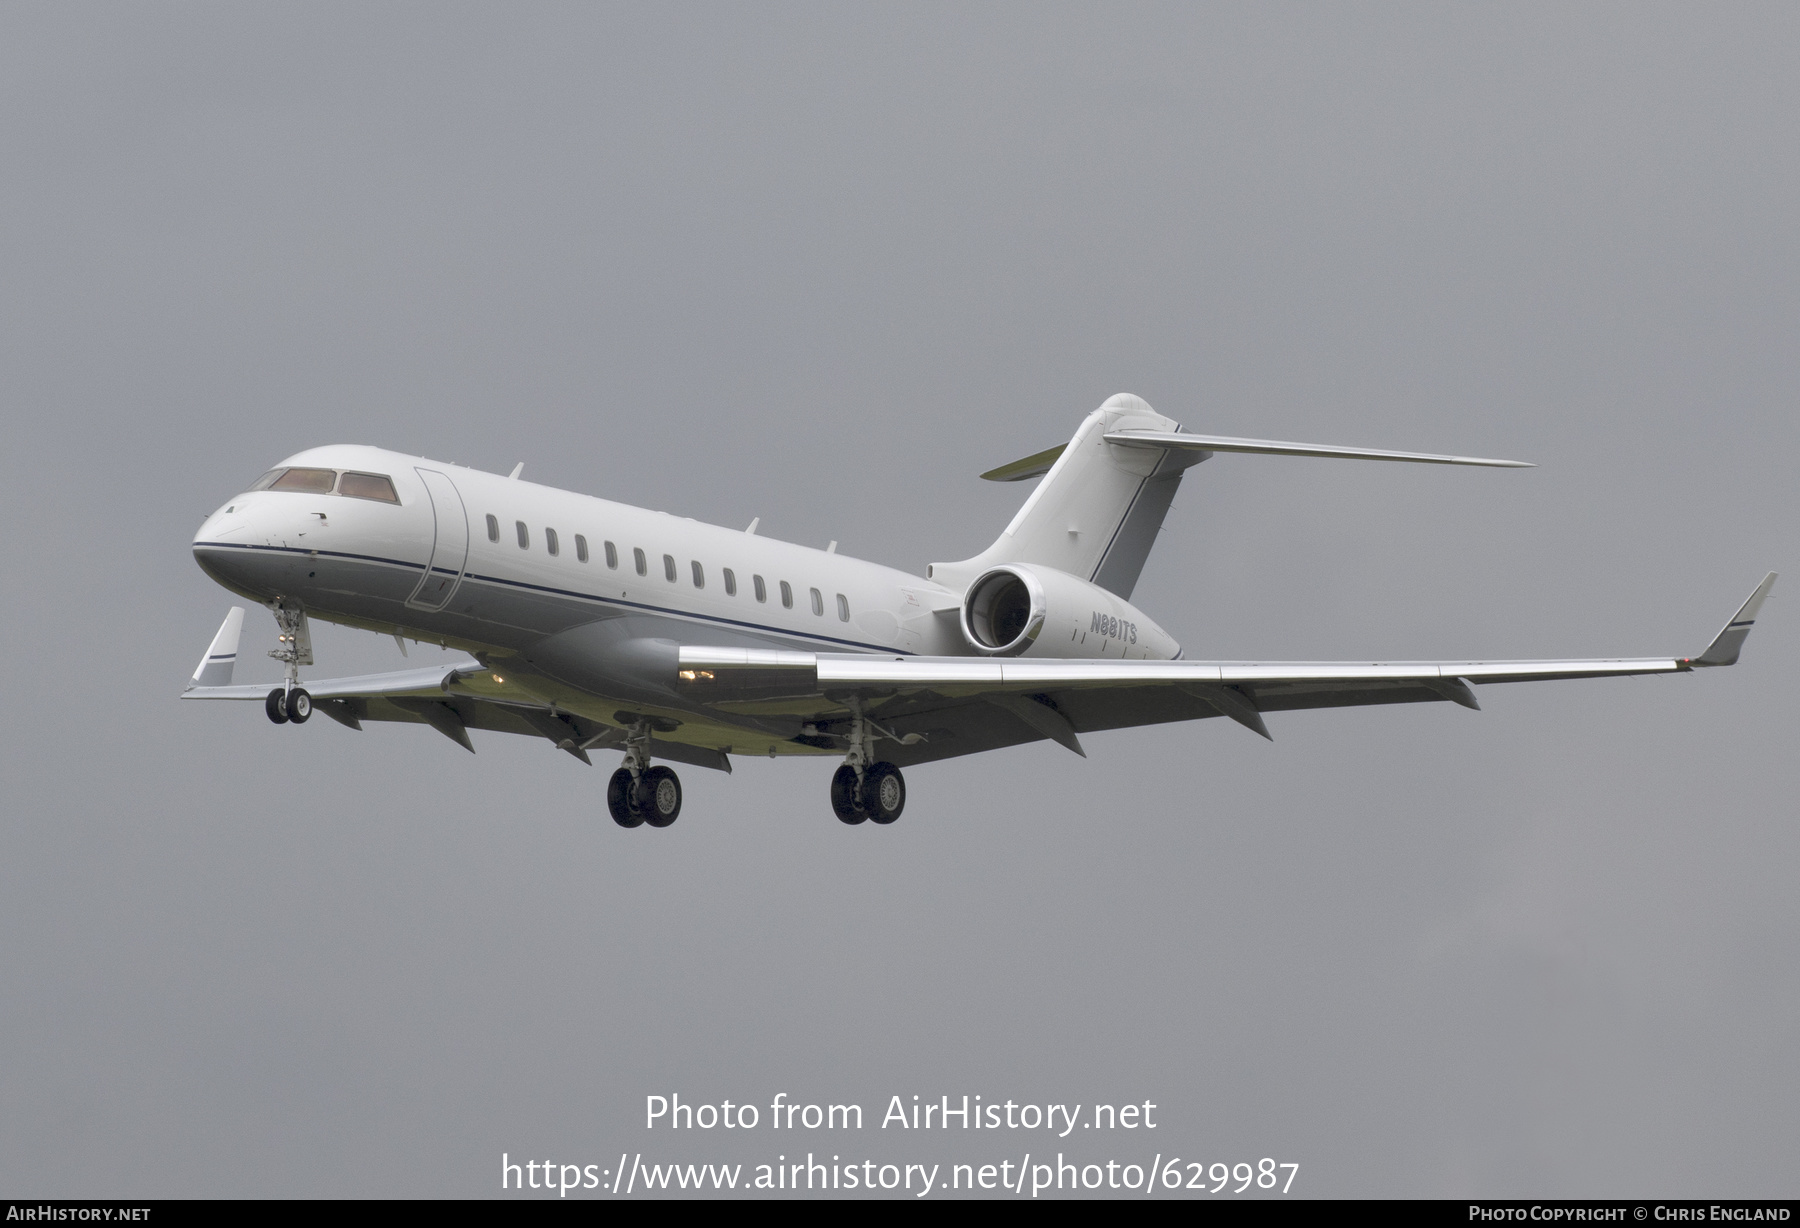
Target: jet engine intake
x: 1020, y: 609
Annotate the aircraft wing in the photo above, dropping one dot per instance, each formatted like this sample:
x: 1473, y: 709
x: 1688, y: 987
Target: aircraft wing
x: 960, y: 705
x: 452, y: 699
x: 929, y: 708
x: 406, y: 682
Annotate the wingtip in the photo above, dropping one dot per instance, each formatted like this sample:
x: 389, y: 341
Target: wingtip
x: 1729, y: 642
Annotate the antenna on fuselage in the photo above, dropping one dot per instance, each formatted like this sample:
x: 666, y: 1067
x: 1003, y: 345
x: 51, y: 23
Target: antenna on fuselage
x: 754, y: 521
x: 517, y: 470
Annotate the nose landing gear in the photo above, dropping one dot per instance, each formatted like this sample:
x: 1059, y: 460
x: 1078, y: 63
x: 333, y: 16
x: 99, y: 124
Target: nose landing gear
x: 289, y: 702
x: 284, y: 706
x: 638, y: 793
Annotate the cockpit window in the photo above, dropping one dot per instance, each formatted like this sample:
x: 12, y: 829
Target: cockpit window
x: 375, y: 486
x: 368, y: 486
x: 313, y: 481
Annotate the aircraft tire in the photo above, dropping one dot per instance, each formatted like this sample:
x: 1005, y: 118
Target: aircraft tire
x: 618, y: 800
x: 844, y: 799
x: 659, y: 791
x: 274, y: 706
x: 884, y: 793
x: 299, y: 706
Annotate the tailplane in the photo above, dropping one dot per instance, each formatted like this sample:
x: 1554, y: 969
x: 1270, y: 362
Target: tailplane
x: 1104, y: 493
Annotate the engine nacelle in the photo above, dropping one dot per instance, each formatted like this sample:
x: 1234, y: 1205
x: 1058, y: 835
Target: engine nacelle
x: 1024, y: 610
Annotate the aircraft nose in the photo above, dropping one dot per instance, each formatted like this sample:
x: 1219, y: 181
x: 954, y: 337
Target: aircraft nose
x: 226, y: 547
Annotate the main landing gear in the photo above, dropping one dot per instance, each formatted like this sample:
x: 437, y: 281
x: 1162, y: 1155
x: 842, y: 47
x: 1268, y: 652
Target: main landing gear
x: 289, y: 702
x: 862, y: 788
x: 880, y: 794
x: 638, y: 793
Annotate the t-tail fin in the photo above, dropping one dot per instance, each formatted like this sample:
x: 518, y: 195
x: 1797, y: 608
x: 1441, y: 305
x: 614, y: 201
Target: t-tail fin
x: 1099, y: 507
x: 1105, y: 492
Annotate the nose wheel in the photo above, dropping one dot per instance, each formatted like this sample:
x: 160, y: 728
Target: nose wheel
x: 289, y: 703
x: 284, y: 706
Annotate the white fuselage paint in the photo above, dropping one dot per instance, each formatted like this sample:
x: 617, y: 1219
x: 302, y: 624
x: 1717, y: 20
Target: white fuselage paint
x: 890, y: 611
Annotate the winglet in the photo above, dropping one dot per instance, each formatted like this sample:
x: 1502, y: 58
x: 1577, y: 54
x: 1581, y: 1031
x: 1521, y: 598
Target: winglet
x: 1724, y: 648
x: 215, y: 667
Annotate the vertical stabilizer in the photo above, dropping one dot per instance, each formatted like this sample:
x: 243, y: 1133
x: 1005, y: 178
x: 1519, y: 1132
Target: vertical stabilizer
x: 1097, y: 512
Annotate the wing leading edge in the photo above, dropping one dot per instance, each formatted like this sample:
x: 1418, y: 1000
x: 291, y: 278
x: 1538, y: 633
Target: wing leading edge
x: 959, y: 704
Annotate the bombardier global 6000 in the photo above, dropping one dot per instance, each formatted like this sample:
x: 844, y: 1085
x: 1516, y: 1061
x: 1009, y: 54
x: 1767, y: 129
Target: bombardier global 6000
x: 596, y: 625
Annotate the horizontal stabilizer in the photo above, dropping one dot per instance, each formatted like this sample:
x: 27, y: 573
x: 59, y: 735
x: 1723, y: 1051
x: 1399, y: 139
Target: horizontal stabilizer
x: 1726, y: 645
x: 1182, y: 441
x: 1035, y: 465
x: 221, y: 655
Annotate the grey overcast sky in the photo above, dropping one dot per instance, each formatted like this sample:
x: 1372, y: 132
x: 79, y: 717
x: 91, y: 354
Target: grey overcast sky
x: 823, y: 264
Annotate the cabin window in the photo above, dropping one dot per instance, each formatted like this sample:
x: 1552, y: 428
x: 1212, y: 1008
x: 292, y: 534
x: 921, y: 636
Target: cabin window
x: 669, y: 568
x: 730, y: 583
x: 612, y: 556
x: 818, y: 601
x: 493, y: 527
x: 524, y: 534
x: 551, y: 546
x: 368, y: 486
x: 309, y: 481
x: 762, y: 592
x: 643, y: 564
x: 787, y: 596
x: 699, y: 575
x: 581, y: 548
x: 843, y: 608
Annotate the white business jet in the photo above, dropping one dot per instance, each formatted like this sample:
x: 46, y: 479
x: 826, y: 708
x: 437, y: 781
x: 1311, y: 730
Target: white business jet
x: 597, y: 625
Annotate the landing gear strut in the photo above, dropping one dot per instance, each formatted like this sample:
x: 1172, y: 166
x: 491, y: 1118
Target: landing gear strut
x: 289, y: 702
x: 638, y: 793
x: 862, y: 788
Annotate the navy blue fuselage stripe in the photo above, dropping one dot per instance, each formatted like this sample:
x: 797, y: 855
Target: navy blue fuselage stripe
x: 879, y: 649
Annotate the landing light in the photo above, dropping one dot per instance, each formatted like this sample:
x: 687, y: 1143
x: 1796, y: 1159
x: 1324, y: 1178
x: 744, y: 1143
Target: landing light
x: 696, y: 675
x: 497, y: 678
